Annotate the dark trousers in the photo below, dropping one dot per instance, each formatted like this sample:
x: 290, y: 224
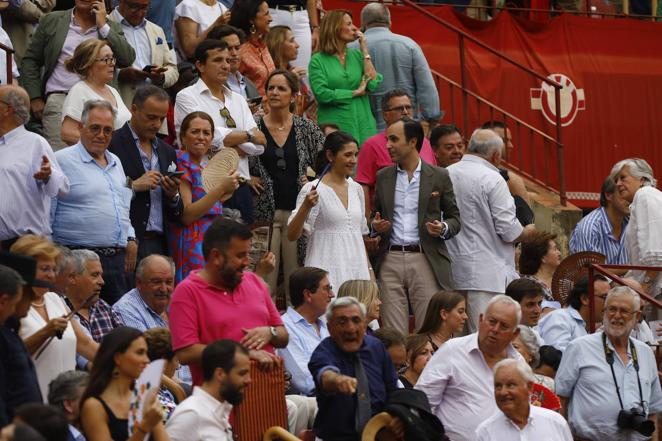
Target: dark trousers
x: 242, y: 200
x: 114, y: 277
x: 154, y: 244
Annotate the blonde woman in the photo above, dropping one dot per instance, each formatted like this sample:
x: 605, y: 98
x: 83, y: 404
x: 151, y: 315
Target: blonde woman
x: 94, y: 61
x: 366, y: 292
x: 45, y: 330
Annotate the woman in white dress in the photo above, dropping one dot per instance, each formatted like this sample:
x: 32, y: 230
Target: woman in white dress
x: 93, y: 60
x: 331, y: 212
x: 45, y: 318
x: 194, y: 19
x: 643, y: 237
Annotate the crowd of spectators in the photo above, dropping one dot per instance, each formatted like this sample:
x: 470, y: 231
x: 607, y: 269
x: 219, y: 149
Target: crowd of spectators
x: 405, y: 261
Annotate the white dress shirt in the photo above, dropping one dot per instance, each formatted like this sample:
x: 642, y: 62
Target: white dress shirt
x: 561, y: 326
x: 25, y: 202
x: 198, y: 97
x: 460, y: 386
x: 543, y: 425
x: 584, y: 376
x: 483, y: 252
x: 405, y: 207
x: 200, y: 417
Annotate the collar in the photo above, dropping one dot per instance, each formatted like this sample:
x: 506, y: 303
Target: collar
x: 120, y: 19
x: 472, y: 345
x: 478, y: 160
x: 377, y: 30
x: 201, y: 88
x: 12, y: 134
x: 575, y: 314
x: 137, y: 139
x: 220, y: 409
x: 259, y: 43
x: 529, y: 421
x: 610, y: 345
x: 417, y: 170
x: 142, y: 301
x: 607, y: 227
x: 298, y: 318
x: 86, y: 157
x: 72, y: 21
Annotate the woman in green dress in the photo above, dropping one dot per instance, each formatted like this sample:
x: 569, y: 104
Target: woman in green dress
x: 341, y: 77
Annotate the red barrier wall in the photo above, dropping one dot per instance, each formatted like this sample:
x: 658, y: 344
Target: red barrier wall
x: 615, y: 63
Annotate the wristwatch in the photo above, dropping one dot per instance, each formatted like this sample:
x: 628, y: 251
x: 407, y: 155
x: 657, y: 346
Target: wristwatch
x: 130, y: 239
x: 367, y: 57
x: 274, y: 332
x: 175, y: 199
x: 250, y: 137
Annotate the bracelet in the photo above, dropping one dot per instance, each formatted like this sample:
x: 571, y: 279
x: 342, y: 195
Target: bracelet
x: 367, y: 57
x: 313, y: 27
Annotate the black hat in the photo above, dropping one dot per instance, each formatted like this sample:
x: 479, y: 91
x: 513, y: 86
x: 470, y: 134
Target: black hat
x: 25, y: 266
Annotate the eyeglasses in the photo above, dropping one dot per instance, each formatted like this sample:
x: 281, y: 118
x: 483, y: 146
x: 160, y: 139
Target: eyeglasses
x: 400, y: 109
x: 280, y: 158
x: 612, y: 310
x: 96, y: 129
x: 47, y: 269
x: 229, y: 121
x: 108, y: 60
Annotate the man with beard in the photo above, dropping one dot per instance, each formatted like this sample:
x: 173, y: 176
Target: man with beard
x: 596, y: 367
x: 205, y: 414
x: 222, y: 301
x: 516, y: 417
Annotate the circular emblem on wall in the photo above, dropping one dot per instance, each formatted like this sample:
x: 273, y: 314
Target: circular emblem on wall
x: 572, y: 100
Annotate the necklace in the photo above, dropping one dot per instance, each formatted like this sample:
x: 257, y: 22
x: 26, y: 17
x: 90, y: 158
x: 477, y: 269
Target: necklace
x: 38, y: 305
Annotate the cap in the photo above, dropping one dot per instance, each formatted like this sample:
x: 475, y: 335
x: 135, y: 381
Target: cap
x: 25, y: 266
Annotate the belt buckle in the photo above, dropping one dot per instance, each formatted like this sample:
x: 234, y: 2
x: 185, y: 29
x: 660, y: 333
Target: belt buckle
x: 292, y: 8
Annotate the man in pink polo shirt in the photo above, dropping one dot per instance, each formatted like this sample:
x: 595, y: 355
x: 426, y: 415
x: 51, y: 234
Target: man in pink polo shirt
x: 222, y: 301
x: 374, y: 156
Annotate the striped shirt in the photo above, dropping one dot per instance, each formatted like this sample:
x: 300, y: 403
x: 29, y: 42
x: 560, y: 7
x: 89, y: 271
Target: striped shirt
x: 595, y: 233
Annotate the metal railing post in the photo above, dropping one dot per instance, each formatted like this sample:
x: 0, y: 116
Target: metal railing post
x: 559, y: 147
x: 591, y: 300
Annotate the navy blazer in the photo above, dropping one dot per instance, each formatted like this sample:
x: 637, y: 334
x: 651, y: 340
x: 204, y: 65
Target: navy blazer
x: 124, y: 146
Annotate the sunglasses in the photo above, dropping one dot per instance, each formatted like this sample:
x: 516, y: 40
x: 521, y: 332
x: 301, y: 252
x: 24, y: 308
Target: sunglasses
x: 229, y: 121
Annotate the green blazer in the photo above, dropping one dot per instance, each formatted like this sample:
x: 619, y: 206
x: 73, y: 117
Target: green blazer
x: 435, y: 196
x: 47, y: 43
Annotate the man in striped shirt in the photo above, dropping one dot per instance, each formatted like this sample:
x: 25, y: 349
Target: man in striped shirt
x: 603, y: 229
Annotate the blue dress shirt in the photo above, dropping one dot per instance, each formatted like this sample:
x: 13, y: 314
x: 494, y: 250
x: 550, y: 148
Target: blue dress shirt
x: 135, y: 313
x: 561, y: 326
x: 335, y: 418
x: 155, y: 220
x: 95, y: 213
x: 595, y: 233
x: 303, y: 341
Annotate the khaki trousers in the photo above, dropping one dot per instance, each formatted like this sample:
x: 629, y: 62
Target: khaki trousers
x: 284, y: 250
x: 52, y: 120
x: 405, y: 278
x: 476, y: 305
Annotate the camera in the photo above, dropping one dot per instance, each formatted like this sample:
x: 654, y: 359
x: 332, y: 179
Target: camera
x: 635, y: 419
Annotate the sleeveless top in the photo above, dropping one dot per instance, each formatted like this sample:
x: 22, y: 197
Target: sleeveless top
x: 119, y: 428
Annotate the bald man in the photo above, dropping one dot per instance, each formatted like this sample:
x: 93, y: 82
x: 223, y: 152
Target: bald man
x: 29, y: 171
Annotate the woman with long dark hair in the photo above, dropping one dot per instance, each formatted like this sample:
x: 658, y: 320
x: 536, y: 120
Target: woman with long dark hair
x: 445, y: 316
x: 331, y: 212
x: 105, y: 403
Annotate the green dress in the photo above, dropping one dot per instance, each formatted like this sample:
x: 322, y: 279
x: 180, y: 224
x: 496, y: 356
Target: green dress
x: 333, y: 85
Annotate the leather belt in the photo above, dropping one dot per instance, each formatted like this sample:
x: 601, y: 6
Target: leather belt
x: 152, y: 235
x: 102, y: 251
x: 415, y: 248
x: 57, y: 92
x: 291, y: 8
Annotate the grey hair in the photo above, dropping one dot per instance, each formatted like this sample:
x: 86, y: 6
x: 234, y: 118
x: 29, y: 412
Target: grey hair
x: 140, y: 270
x: 16, y: 100
x: 639, y: 169
x: 504, y: 299
x: 96, y: 104
x: 65, y: 259
x: 528, y: 337
x: 484, y: 142
x: 522, y: 367
x: 625, y: 291
x: 374, y: 15
x: 342, y: 302
x: 80, y: 257
x: 66, y: 386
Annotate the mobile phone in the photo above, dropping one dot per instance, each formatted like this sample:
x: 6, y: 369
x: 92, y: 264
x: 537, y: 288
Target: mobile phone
x: 256, y: 100
x: 148, y: 68
x: 175, y: 174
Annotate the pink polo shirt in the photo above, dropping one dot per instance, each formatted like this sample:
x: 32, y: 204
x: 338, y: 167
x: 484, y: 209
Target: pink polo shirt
x: 374, y: 157
x: 201, y: 313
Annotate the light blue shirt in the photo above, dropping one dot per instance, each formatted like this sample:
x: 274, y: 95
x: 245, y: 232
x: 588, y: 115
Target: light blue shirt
x: 584, y: 376
x: 303, y: 341
x: 137, y: 38
x: 155, y: 221
x: 95, y: 213
x: 595, y: 233
x: 135, y: 313
x: 405, y: 208
x: 236, y: 83
x: 561, y: 326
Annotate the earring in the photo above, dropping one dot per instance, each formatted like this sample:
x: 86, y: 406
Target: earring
x: 252, y: 29
x: 116, y: 372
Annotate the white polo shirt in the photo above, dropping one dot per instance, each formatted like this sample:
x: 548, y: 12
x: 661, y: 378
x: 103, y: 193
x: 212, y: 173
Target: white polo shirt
x: 543, y: 425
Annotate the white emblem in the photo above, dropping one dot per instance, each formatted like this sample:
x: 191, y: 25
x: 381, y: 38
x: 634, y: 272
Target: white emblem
x: 572, y: 100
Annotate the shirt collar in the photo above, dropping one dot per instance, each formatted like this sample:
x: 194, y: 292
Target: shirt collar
x: 142, y: 301
x: 202, y: 88
x: 611, y: 346
x: 120, y: 19
x: 221, y: 409
x: 86, y: 157
x: 478, y: 160
x: 137, y: 139
x: 12, y: 134
x: 574, y: 314
x: 298, y: 318
x: 472, y: 345
x: 416, y: 171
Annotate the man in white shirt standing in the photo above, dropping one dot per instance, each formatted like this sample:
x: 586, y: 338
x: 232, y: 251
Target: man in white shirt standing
x: 205, y: 414
x: 483, y: 253
x: 234, y: 125
x: 458, y: 379
x: 516, y: 418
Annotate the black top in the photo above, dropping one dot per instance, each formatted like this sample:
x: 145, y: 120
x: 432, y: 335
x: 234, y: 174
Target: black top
x: 406, y: 383
x: 18, y: 377
x: 119, y: 428
x: 285, y: 181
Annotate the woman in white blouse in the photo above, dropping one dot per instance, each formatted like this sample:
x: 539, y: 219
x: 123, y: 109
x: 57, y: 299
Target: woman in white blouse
x: 643, y: 237
x: 51, y: 339
x: 93, y: 60
x: 194, y: 19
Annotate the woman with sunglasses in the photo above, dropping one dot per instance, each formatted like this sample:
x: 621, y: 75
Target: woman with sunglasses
x: 94, y: 61
x: 331, y: 212
x: 279, y: 173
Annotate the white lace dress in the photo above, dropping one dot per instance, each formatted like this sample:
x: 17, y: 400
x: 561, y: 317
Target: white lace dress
x: 336, y: 234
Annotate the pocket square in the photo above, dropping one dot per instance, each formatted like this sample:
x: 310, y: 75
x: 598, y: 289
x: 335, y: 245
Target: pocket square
x: 434, y: 194
x: 159, y: 40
